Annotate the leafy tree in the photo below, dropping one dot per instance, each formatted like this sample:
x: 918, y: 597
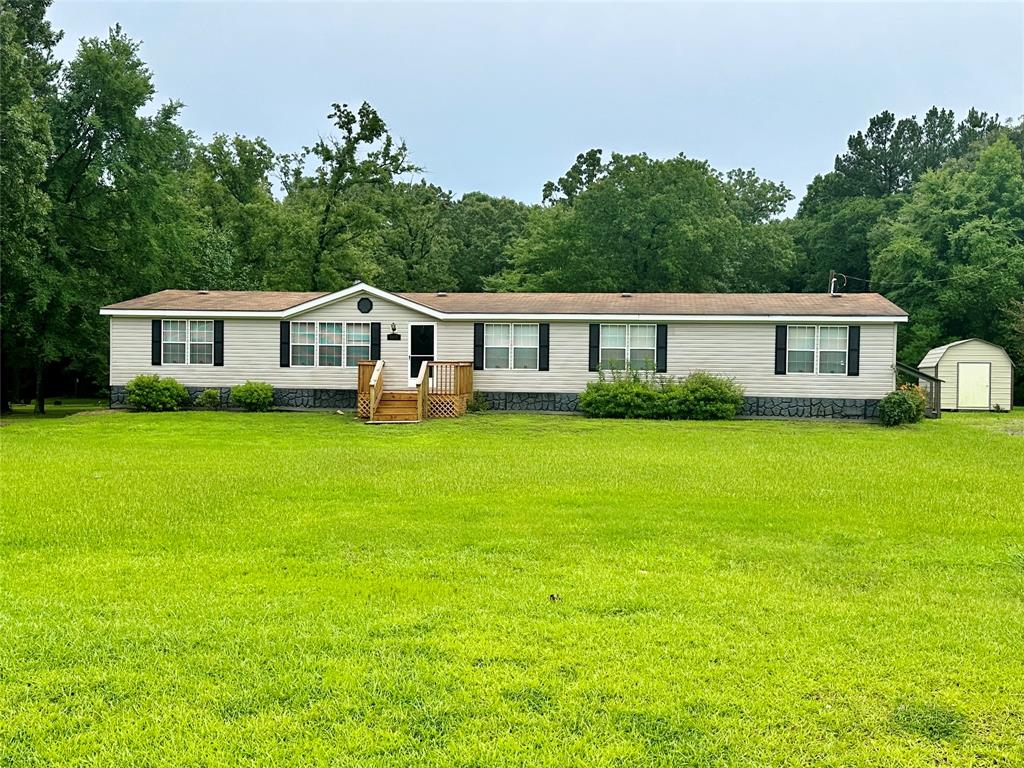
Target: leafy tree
x: 115, y: 207
x: 641, y: 224
x: 413, y: 246
x: 483, y: 228
x: 953, y: 255
x: 230, y: 180
x: 337, y: 198
x: 585, y: 171
x: 869, y: 181
x: 27, y: 71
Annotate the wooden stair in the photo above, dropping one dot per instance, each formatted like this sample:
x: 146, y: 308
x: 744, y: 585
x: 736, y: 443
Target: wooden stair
x: 396, y: 407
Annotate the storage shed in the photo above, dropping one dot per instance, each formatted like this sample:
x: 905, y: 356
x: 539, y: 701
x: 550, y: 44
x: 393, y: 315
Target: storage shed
x: 977, y: 375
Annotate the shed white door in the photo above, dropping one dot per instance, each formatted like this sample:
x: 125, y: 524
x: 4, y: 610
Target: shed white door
x: 972, y: 385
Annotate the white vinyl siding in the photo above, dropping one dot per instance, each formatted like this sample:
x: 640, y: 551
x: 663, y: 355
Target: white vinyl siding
x: 744, y: 351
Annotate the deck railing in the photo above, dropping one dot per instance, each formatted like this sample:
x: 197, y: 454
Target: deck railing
x: 451, y: 377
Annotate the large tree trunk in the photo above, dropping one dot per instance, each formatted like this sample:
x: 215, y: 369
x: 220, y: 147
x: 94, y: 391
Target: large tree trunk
x: 40, y: 408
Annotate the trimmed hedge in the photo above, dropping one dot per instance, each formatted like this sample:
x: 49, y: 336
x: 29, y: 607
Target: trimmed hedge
x: 635, y: 395
x: 151, y: 393
x: 253, y: 396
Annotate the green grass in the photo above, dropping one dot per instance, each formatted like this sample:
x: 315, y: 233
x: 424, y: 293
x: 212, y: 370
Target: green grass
x: 67, y: 406
x: 214, y: 589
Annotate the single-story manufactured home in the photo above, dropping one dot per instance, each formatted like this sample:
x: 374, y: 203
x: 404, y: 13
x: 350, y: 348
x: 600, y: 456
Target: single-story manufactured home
x: 795, y: 354
x: 976, y: 375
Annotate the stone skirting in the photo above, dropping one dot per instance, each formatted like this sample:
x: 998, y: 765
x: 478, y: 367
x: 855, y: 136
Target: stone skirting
x: 557, y: 402
x: 809, y: 408
x: 283, y: 398
x: 314, y: 398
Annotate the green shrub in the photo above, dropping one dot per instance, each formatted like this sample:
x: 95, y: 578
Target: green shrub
x: 477, y: 403
x: 253, y: 396
x: 917, y: 398
x: 208, y: 398
x: 151, y: 393
x: 897, y: 408
x: 704, y: 397
x: 635, y: 395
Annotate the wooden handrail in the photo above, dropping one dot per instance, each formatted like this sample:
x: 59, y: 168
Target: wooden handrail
x: 376, y: 387
x: 366, y: 368
x: 451, y: 377
x: 423, y: 391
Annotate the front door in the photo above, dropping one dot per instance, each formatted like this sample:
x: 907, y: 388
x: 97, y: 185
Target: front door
x: 972, y: 385
x: 421, y: 347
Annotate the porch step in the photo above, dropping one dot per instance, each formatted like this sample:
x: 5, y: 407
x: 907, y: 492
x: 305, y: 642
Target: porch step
x: 398, y: 396
x: 396, y: 406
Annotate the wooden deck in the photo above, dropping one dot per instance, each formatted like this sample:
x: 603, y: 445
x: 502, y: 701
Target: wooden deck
x: 441, y: 391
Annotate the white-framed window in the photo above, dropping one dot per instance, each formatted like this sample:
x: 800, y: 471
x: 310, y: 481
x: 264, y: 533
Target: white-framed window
x: 303, y: 343
x: 200, y: 342
x: 357, y: 343
x: 511, y: 345
x: 817, y: 349
x: 632, y: 346
x: 833, y: 349
x: 329, y: 344
x: 186, y: 342
x: 800, y: 347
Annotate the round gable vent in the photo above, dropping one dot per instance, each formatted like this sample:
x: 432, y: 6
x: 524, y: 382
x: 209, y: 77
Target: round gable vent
x: 364, y: 305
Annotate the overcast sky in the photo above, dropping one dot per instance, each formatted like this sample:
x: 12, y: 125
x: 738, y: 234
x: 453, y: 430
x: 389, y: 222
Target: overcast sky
x: 501, y: 97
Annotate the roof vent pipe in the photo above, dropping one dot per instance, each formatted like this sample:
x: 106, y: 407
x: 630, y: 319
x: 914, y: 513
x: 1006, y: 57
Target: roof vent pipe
x: 441, y: 293
x: 626, y: 295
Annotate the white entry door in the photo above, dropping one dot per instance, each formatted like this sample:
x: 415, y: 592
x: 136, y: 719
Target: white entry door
x: 972, y: 385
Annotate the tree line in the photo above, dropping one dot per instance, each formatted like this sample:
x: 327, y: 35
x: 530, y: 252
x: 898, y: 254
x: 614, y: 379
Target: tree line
x: 105, y: 196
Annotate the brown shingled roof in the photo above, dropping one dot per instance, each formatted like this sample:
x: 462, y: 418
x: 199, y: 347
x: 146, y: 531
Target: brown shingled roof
x: 224, y: 301
x: 867, y: 304
x: 707, y: 304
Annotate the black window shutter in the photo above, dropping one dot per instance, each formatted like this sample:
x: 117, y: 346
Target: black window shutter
x: 375, y: 341
x: 661, y: 354
x: 543, y: 344
x: 286, y: 340
x: 478, y: 346
x: 853, y: 364
x: 780, y: 350
x: 155, y: 355
x: 218, y: 342
x: 595, y: 346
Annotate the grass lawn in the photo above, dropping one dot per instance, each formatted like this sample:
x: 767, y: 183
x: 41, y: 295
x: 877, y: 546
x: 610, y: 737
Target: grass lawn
x: 212, y: 589
x: 56, y: 408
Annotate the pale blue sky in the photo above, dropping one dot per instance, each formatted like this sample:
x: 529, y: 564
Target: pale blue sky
x: 501, y: 97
